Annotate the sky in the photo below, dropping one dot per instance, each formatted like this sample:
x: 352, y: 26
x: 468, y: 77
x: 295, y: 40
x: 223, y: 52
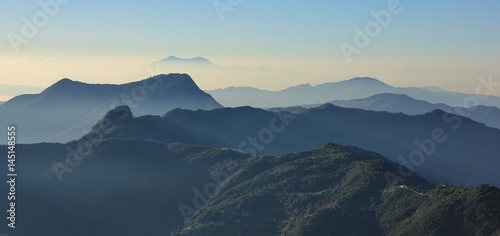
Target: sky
x: 448, y: 43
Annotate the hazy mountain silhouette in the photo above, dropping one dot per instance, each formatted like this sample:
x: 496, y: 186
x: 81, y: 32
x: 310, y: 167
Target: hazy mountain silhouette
x: 391, y: 103
x: 172, y: 64
x: 145, y: 187
x: 433, y: 88
x: 174, y: 59
x: 488, y: 115
x: 68, y: 109
x: 465, y: 153
x: 213, y: 74
x: 355, y: 88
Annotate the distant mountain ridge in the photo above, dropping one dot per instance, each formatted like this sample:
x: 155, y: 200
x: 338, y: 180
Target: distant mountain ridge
x: 467, y: 156
x: 489, y: 115
x: 391, y: 103
x: 356, y: 88
x: 175, y: 59
x: 69, y: 108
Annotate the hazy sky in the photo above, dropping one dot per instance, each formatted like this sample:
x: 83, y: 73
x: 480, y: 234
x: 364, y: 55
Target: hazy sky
x: 446, y: 43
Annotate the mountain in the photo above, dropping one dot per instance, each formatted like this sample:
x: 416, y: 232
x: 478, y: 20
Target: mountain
x: 334, y: 191
x: 68, y: 109
x: 172, y: 63
x: 121, y: 187
x: 297, y: 95
x: 145, y: 187
x: 488, y: 115
x: 212, y: 74
x: 392, y: 103
x: 433, y: 88
x: 439, y: 146
x: 355, y: 88
x: 174, y: 59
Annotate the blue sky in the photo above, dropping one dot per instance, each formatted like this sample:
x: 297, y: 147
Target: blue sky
x: 308, y: 31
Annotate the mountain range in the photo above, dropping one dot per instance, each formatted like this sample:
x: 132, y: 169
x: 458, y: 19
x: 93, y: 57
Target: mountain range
x: 162, y: 157
x: 145, y: 187
x: 395, y: 103
x: 355, y: 88
x: 439, y: 146
x: 68, y: 109
x: 212, y: 74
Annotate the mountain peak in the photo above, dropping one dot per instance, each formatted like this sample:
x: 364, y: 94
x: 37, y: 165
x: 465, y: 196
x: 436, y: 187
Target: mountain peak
x: 119, y: 113
x: 359, y: 82
x: 181, y: 76
x: 437, y: 113
x: 60, y: 85
x: 115, y: 116
x: 64, y: 80
x: 181, y: 82
x: 327, y: 106
x: 186, y: 60
x: 365, y: 79
x: 179, y: 89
